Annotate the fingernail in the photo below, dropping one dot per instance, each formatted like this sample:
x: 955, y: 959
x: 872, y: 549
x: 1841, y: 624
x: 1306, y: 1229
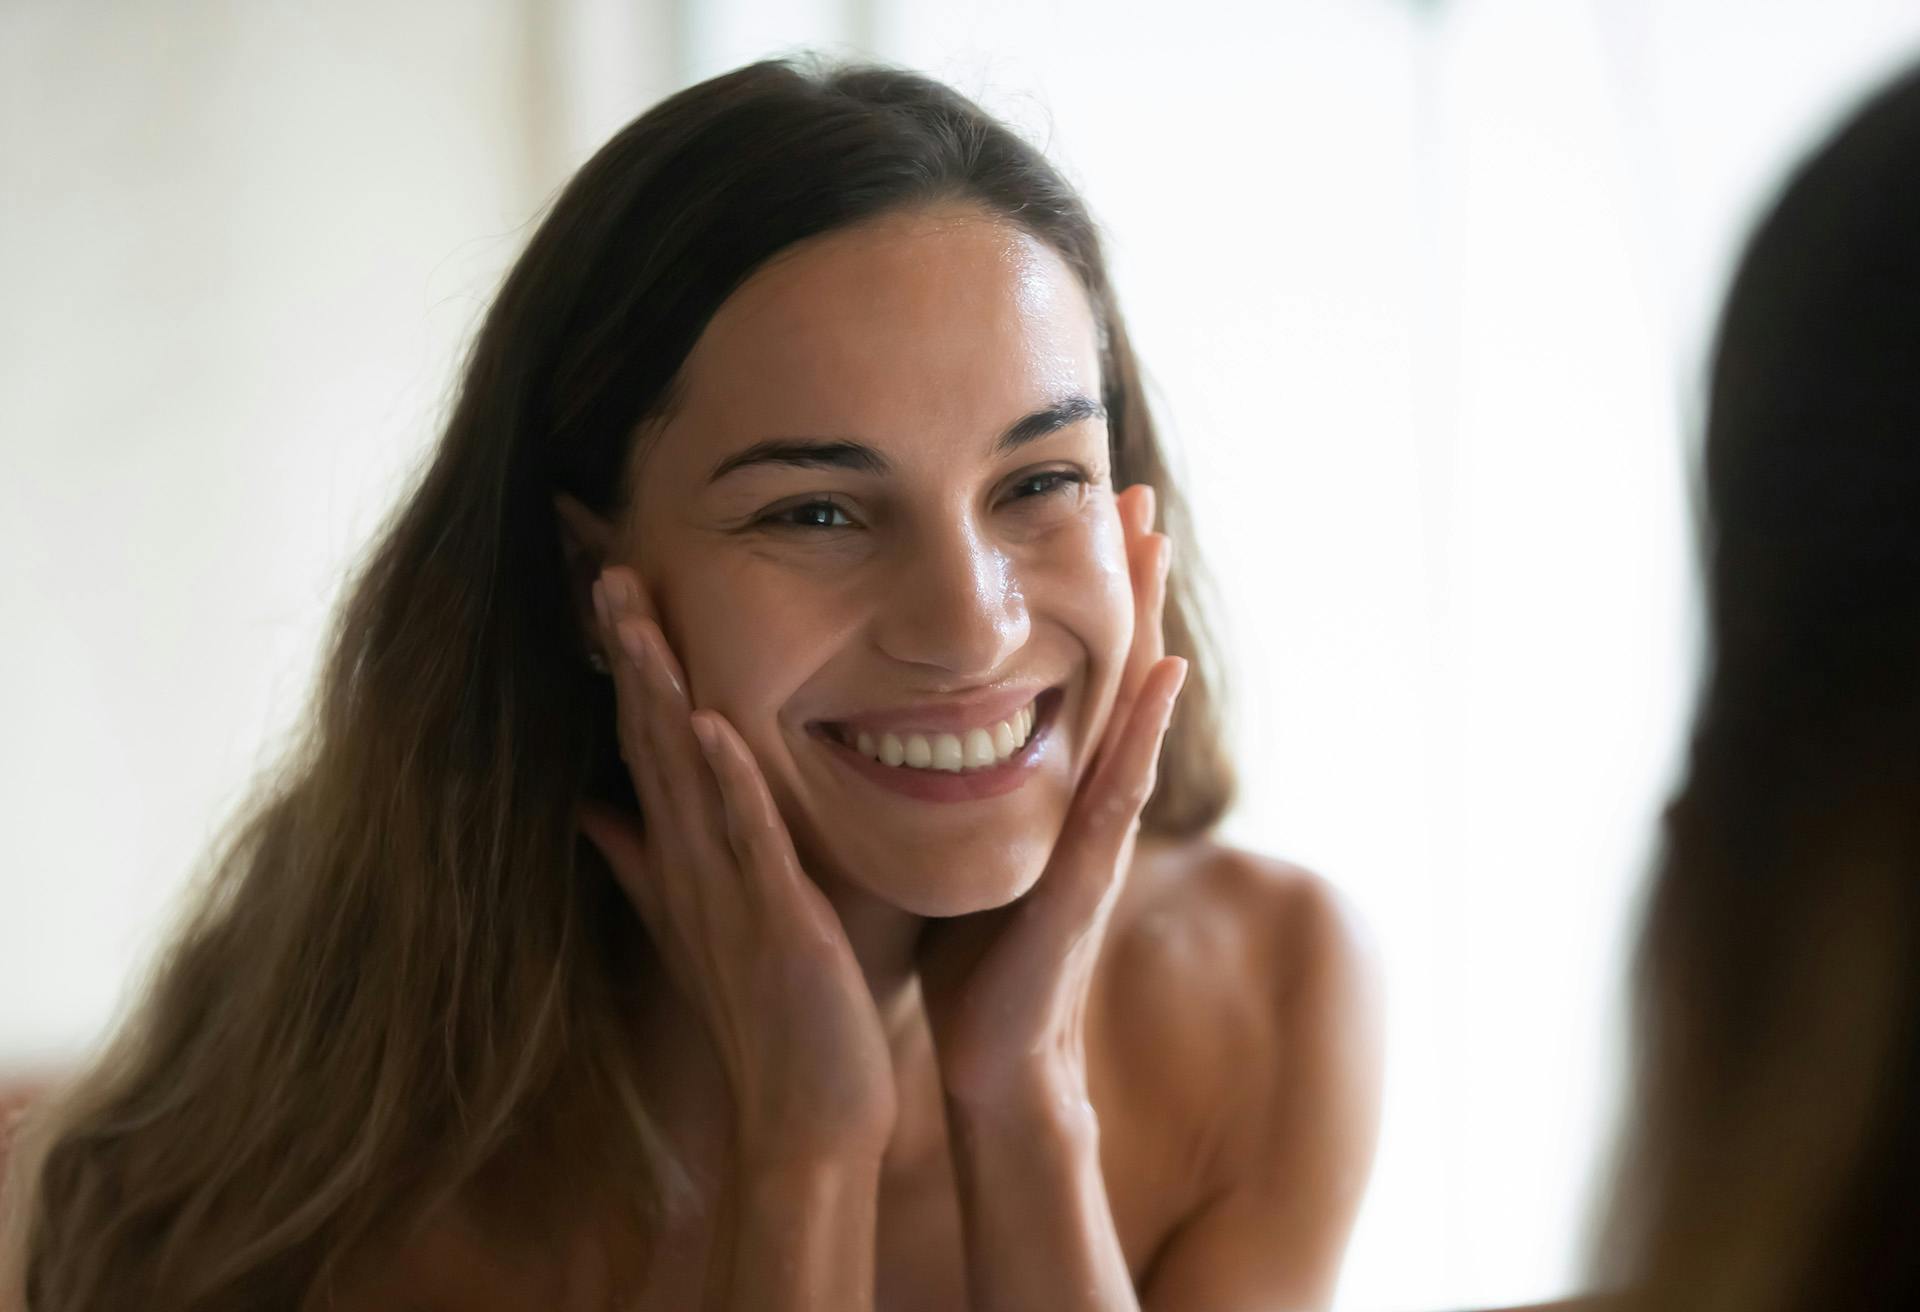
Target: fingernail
x: 704, y: 732
x: 655, y: 664
x: 633, y: 641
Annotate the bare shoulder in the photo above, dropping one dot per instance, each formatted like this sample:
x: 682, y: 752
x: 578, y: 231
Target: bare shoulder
x: 1245, y: 985
x: 1218, y: 923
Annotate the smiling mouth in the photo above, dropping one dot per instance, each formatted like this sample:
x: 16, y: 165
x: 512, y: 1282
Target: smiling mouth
x: 985, y: 748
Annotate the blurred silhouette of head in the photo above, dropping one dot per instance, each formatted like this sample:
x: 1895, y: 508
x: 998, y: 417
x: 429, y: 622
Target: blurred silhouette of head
x: 1773, y: 1158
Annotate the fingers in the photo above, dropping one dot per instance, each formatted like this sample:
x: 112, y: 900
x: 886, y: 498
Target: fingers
x: 755, y: 832
x: 1109, y: 805
x: 1153, y: 556
x: 1149, y: 556
x: 646, y: 862
x: 1119, y: 792
x: 632, y: 698
x: 1143, y: 507
x: 686, y: 889
x: 668, y: 763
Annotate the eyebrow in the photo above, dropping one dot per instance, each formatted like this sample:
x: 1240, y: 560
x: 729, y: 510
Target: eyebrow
x: 825, y: 453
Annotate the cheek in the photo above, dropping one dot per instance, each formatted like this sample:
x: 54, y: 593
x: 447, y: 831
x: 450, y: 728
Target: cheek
x: 1080, y: 579
x: 747, y: 638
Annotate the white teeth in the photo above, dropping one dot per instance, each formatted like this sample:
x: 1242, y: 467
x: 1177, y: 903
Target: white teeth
x: 974, y: 750
x: 946, y: 752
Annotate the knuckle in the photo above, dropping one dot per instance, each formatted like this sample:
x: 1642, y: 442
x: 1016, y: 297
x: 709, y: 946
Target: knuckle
x: 1130, y: 800
x: 1119, y: 809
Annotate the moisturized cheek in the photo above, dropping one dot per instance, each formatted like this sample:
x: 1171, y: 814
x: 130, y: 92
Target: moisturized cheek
x: 1083, y: 579
x: 1114, y: 588
x: 746, y: 642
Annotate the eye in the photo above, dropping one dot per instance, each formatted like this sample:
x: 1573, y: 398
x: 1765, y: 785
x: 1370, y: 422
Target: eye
x: 807, y: 515
x: 1048, y: 483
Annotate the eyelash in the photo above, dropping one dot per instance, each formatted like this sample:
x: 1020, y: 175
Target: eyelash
x: 778, y: 518
x: 1057, y: 480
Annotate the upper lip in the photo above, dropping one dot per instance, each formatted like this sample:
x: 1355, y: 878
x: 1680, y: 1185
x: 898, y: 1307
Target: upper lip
x: 976, y: 710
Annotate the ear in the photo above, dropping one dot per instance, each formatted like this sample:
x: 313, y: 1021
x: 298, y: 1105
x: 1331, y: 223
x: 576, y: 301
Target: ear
x: 584, y: 540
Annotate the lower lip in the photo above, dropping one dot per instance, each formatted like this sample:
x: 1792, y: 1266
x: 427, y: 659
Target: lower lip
x: 950, y: 785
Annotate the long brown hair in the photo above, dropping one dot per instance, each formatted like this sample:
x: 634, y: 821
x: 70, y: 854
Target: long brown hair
x: 403, y: 967
x: 1773, y: 1155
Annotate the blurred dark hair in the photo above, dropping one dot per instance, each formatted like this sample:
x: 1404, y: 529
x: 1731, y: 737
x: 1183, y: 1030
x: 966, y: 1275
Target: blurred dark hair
x: 1772, y: 1160
x: 405, y: 974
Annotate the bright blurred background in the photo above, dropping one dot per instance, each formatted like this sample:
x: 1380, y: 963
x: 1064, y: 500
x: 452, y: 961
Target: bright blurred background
x: 1424, y: 288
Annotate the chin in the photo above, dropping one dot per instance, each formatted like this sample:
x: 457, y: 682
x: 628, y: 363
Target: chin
x: 932, y: 842
x: 955, y: 880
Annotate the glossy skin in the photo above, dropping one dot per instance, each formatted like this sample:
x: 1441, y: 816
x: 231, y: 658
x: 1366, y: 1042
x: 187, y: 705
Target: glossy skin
x: 948, y: 579
x: 1233, y: 1062
x: 1110, y: 1077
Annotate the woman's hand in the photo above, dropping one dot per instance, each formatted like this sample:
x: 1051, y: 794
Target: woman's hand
x: 748, y: 940
x: 1005, y: 990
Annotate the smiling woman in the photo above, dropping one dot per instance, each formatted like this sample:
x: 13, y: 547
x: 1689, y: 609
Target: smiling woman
x: 931, y: 570
x: 746, y: 851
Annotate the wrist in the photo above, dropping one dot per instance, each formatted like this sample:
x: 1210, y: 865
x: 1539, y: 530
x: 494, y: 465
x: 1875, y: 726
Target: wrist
x: 799, y: 1232
x: 801, y: 1144
x: 1041, y: 1103
x: 796, y: 1181
x: 800, y: 1163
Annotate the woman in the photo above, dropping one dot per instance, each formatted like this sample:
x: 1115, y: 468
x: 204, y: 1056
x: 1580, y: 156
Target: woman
x: 532, y: 985
x: 1771, y: 1160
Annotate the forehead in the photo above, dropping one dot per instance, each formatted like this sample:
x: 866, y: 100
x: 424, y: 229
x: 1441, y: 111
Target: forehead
x: 942, y: 324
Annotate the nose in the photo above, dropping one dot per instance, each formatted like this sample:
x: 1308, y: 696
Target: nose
x: 956, y: 606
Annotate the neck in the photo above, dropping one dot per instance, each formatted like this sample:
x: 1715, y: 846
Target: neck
x: 883, y: 938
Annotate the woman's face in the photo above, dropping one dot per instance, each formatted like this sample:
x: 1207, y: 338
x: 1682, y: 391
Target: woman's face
x: 880, y: 529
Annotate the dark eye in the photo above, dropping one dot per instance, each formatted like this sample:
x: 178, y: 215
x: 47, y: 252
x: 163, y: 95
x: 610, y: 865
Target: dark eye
x: 808, y: 515
x: 1046, y: 483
